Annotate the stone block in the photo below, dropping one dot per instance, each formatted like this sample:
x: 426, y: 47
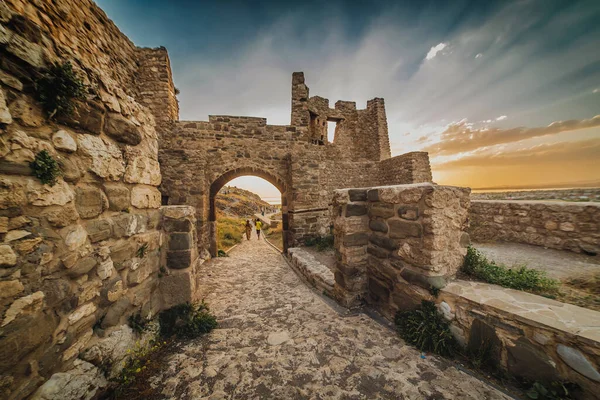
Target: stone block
x: 10, y: 288
x: 357, y: 195
x: 378, y: 252
x: 122, y: 129
x: 530, y: 362
x: 119, y: 198
x: 378, y: 226
x: 142, y: 169
x: 355, y: 210
x: 85, y: 115
x: 145, y: 197
x: 90, y: 202
x: 63, y: 141
x: 409, y: 213
x: 355, y: 239
x: 84, y: 311
x: 177, y: 225
x: 378, y: 291
x: 403, y: 229
x: 383, y: 241
x: 180, y: 259
x: 123, y: 251
x: 373, y: 195
x: 115, y: 312
x: 105, y: 158
x: 181, y: 241
x: 8, y: 258
x: 99, y: 229
x: 82, y: 266
x: 178, y: 287
x: 578, y: 361
x: 126, y: 224
x: 381, y: 210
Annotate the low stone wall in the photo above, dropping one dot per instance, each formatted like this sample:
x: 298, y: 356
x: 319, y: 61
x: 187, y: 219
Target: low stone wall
x: 557, y: 225
x: 530, y: 336
x: 394, y: 243
x: 575, y: 194
x: 317, y: 274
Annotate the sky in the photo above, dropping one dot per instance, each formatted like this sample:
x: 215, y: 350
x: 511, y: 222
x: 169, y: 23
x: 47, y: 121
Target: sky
x: 500, y: 93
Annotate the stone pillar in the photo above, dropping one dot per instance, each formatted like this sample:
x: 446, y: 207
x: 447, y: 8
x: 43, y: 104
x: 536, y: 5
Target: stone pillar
x: 300, y: 114
x: 351, y: 225
x: 395, y: 243
x: 178, y: 285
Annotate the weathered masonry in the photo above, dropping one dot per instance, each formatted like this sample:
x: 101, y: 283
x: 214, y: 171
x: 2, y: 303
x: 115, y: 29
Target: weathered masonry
x: 199, y: 157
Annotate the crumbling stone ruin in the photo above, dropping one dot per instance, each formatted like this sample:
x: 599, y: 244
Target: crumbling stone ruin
x: 79, y: 257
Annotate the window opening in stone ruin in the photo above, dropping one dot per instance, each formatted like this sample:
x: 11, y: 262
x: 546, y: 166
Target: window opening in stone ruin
x: 164, y: 200
x: 331, y: 127
x: 248, y: 198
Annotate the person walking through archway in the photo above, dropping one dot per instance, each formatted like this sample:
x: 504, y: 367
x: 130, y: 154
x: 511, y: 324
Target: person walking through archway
x: 258, y: 225
x: 248, y: 228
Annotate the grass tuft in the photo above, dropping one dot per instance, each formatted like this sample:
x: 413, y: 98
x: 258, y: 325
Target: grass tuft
x: 426, y: 329
x: 519, y: 278
x: 187, y: 321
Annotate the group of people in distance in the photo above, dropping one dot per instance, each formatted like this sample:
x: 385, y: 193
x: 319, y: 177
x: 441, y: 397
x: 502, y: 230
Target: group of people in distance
x: 248, y: 226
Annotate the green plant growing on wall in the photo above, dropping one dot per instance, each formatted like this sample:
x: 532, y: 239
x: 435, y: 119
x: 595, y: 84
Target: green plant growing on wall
x: 426, y: 329
x: 187, y: 321
x: 138, y: 323
x: 45, y: 168
x: 141, y: 251
x: 56, y: 89
x: 322, y: 243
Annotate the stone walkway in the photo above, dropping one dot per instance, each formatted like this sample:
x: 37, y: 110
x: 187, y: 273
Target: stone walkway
x: 277, y: 339
x: 558, y: 264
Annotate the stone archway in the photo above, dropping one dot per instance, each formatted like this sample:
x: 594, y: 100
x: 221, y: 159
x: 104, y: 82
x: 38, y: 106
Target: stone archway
x: 222, y: 180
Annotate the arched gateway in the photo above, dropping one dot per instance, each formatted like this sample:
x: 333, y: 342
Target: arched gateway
x: 198, y: 157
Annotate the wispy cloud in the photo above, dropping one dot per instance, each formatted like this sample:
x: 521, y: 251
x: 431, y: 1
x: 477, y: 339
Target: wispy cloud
x: 434, y: 50
x: 461, y: 137
x: 580, y: 151
x: 501, y: 118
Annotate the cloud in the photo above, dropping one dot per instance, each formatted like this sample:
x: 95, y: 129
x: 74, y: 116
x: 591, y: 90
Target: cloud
x: 434, y: 50
x: 479, y: 55
x: 580, y: 152
x: 501, y: 118
x: 460, y: 137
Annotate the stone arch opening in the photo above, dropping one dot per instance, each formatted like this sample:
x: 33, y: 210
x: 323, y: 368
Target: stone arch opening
x: 222, y: 180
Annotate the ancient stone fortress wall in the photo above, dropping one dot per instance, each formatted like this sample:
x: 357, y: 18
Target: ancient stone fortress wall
x: 79, y: 257
x: 572, y: 226
x: 393, y: 244
x: 199, y: 157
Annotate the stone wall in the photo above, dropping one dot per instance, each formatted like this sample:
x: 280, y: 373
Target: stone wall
x: 394, y: 243
x: 570, y: 226
x: 576, y: 194
x: 529, y: 336
x: 199, y: 157
x: 76, y: 258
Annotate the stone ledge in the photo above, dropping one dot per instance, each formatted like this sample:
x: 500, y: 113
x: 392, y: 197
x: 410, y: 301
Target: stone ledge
x: 316, y: 273
x: 531, y: 309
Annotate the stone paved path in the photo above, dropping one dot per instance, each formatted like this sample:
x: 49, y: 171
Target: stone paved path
x: 278, y: 339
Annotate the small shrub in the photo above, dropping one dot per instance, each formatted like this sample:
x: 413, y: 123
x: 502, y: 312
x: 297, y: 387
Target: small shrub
x: 141, y: 251
x: 426, y: 329
x: 552, y: 391
x: 435, y: 291
x: 45, y: 168
x: 138, y: 323
x: 222, y: 253
x: 520, y: 278
x: 322, y: 243
x: 186, y: 321
x: 136, y: 363
x: 57, y: 88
